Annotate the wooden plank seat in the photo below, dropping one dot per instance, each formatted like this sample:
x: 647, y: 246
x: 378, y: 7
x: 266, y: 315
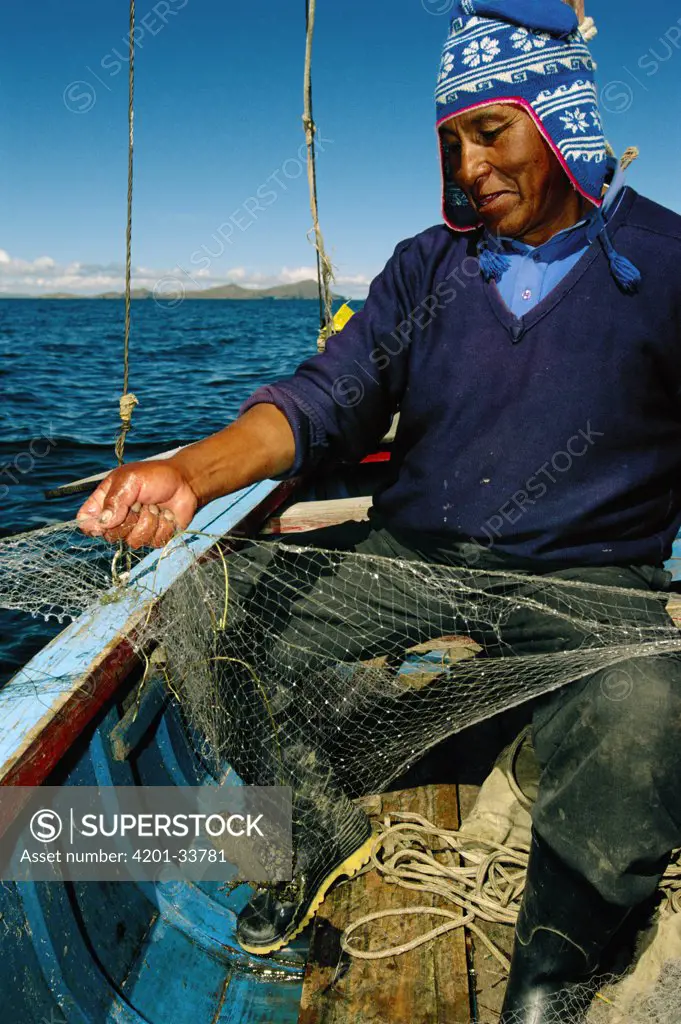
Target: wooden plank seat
x: 313, y: 515
x: 674, y: 608
x: 422, y: 986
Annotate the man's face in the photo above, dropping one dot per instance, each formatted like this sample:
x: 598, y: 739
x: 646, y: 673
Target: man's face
x: 509, y: 173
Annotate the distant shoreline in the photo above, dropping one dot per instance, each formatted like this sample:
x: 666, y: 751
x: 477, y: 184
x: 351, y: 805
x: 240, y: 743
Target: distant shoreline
x: 301, y: 291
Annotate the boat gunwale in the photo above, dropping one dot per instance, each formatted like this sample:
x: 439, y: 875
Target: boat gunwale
x: 39, y: 734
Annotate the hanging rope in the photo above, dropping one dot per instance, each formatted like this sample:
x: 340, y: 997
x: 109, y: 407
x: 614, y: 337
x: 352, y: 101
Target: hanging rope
x: 127, y: 400
x: 324, y: 267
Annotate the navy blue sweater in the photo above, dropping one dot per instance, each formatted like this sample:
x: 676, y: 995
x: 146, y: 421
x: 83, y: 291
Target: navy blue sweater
x: 554, y: 438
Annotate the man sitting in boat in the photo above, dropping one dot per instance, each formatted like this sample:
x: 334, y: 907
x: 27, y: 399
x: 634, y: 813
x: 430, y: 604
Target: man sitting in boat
x: 534, y: 332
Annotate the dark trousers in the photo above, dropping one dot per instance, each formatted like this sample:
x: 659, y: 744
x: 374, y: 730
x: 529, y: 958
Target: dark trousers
x: 608, y: 743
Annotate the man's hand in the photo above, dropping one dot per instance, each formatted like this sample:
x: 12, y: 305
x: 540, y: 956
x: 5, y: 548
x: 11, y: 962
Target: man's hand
x: 143, y: 503
x: 146, y: 502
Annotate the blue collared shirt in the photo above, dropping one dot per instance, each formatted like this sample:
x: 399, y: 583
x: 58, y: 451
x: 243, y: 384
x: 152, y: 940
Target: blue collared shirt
x: 534, y: 271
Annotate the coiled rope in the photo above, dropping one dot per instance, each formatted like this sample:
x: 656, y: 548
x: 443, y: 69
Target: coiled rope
x: 484, y: 880
x: 486, y: 887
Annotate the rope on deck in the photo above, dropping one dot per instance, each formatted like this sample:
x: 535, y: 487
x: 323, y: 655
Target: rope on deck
x: 486, y: 883
x: 483, y: 879
x: 485, y: 886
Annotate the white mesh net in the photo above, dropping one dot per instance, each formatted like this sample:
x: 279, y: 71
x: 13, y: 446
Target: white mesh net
x: 54, y: 573
x: 331, y: 671
x: 361, y: 661
x: 660, y: 1004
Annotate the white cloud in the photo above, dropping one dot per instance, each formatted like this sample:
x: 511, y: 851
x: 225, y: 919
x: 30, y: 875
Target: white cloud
x: 44, y: 276
x: 290, y: 276
x: 353, y: 280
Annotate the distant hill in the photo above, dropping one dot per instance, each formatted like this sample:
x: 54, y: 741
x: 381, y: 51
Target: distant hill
x: 299, y: 290
x: 135, y: 293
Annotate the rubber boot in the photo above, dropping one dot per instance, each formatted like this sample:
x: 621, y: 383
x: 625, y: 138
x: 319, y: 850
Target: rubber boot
x: 332, y: 838
x: 563, y: 927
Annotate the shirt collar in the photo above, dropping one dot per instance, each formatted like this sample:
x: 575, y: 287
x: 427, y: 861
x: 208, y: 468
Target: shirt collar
x: 569, y: 240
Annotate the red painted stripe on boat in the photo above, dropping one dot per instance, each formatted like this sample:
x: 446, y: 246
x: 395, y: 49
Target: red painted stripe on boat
x: 376, y: 457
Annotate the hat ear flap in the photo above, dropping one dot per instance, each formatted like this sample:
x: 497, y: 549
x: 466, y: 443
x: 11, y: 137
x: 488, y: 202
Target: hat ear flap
x: 457, y: 212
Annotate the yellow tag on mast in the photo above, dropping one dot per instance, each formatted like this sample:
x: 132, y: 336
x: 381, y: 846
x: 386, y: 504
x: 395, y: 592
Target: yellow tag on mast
x: 339, y: 321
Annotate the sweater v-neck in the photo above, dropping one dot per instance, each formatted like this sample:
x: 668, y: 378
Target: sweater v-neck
x: 517, y: 327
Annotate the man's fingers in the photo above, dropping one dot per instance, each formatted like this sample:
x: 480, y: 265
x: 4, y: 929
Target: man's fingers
x: 89, y: 512
x: 109, y: 505
x: 110, y: 513
x: 165, y: 530
x: 144, y: 526
x: 123, y: 531
x: 122, y: 496
x: 131, y: 502
x: 145, y: 530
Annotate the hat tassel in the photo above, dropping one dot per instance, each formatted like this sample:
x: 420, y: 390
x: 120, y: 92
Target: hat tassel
x: 493, y: 264
x: 623, y: 270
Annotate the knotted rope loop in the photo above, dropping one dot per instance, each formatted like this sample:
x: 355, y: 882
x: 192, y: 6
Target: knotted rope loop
x: 588, y: 30
x: 630, y: 154
x: 126, y: 407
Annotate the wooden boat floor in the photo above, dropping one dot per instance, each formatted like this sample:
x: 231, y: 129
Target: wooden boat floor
x: 423, y: 986
x: 487, y: 979
x: 452, y: 980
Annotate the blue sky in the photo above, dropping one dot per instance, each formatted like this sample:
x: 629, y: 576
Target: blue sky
x: 218, y: 116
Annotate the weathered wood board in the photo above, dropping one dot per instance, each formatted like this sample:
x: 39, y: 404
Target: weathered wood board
x: 312, y: 515
x: 427, y: 985
x: 488, y: 979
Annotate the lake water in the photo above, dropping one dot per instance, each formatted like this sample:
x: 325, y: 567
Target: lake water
x: 61, y: 366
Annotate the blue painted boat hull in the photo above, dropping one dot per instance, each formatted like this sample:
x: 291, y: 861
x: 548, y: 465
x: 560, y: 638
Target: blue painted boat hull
x: 135, y: 952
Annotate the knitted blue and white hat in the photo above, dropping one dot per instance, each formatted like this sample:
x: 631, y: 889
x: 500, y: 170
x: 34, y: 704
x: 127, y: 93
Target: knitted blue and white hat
x: 532, y: 54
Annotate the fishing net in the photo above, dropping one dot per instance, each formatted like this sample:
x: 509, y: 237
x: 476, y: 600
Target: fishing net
x: 361, y: 661
x: 334, y: 671
x: 319, y: 669
x: 661, y: 1004
x: 54, y: 573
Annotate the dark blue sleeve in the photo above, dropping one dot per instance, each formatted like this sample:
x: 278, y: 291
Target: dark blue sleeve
x: 339, y: 403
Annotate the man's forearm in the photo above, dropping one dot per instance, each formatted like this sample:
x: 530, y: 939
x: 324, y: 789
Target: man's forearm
x: 260, y: 444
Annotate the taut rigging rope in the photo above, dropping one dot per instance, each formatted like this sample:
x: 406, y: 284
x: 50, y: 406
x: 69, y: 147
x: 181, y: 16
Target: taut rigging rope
x: 127, y: 401
x: 324, y: 268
